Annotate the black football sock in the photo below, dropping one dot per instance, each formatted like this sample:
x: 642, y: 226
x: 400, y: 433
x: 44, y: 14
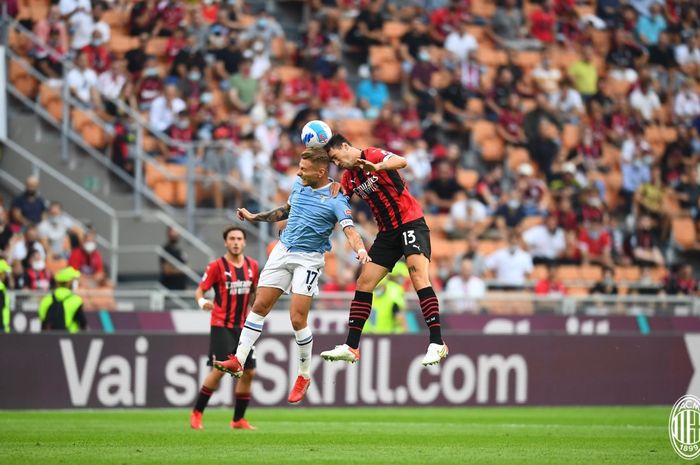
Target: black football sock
x: 431, y: 313
x: 242, y: 401
x: 203, y: 398
x: 360, y: 308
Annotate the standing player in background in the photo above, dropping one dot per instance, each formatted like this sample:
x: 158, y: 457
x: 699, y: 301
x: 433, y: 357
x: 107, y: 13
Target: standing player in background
x: 373, y: 175
x: 234, y: 278
x: 297, y: 260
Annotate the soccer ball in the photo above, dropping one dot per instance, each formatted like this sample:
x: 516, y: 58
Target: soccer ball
x: 315, y: 134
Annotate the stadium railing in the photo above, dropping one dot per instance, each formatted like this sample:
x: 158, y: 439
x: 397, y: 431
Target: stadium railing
x: 499, y: 303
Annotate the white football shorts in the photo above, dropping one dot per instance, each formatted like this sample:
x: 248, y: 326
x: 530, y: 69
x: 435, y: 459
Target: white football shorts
x: 295, y: 271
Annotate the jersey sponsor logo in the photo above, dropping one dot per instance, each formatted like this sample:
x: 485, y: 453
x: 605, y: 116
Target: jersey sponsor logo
x: 238, y: 287
x: 367, y: 187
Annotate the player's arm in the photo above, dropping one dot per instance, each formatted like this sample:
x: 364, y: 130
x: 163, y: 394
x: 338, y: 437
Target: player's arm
x: 357, y: 244
x: 203, y: 303
x: 270, y: 216
x: 391, y: 162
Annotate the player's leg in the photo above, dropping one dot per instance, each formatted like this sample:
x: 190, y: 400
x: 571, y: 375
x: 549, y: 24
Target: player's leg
x: 417, y: 250
x: 210, y: 384
x: 304, y: 287
x: 242, y: 393
x: 360, y: 309
x: 252, y: 328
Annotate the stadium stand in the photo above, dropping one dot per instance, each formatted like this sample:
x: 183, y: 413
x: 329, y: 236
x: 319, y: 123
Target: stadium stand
x: 604, y: 129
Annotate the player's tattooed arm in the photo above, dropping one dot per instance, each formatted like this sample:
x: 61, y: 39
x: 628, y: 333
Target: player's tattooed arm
x: 390, y: 163
x: 357, y: 244
x: 270, y: 216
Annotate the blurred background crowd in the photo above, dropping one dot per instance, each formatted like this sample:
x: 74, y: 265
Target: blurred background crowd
x: 554, y: 144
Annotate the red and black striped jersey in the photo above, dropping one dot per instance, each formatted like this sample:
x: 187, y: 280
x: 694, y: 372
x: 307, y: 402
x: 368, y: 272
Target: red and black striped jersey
x: 384, y: 191
x: 232, y: 288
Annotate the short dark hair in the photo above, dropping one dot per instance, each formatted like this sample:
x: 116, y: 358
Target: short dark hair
x: 317, y: 156
x: 234, y: 228
x: 336, y: 141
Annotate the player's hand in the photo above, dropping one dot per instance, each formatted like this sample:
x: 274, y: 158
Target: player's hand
x: 245, y: 215
x: 336, y: 188
x: 363, y: 257
x: 367, y: 165
x: 208, y: 307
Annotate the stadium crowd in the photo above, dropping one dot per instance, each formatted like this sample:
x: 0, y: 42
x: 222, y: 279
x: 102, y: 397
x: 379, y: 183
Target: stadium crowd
x: 552, y: 143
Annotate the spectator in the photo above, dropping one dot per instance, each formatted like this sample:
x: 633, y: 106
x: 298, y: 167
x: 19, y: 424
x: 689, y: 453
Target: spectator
x: 421, y: 82
x: 567, y: 103
x: 508, y: 28
x: 243, y: 89
x: 595, y: 244
x: 54, y: 230
x: 52, y: 24
x: 682, y: 282
x: 48, y: 61
x: 489, y: 187
x: 544, y: 147
x: 165, y: 108
x: 36, y: 277
x: 180, y: 131
x: 584, y: 74
x: 635, y: 172
x: 29, y: 207
x: 82, y: 82
x: 147, y: 88
x: 545, y: 242
x: 644, y: 244
x: 511, y: 266
x: 372, y: 94
x: 443, y: 190
x: 510, y: 123
x: 112, y: 84
x: 228, y: 59
x: 454, y: 98
x: 105, y: 32
x: 551, y: 285
x: 623, y: 57
x: 338, y: 97
x: 313, y: 43
x: 143, y: 17
x: 461, y: 43
x: 532, y: 191
x: 607, y: 285
x: 687, y: 55
x: 545, y: 76
x: 500, y: 93
x: 170, y: 14
x: 265, y: 29
x: 415, y: 39
x: 367, y: 30
x: 98, y: 55
x: 645, y: 100
x: 136, y: 57
x: 26, y: 244
x: 509, y: 214
x: 175, y: 44
x: 77, y: 14
x: 543, y: 23
x: 189, y: 58
x: 447, y: 19
x: 650, y: 27
x: 6, y: 233
x: 686, y: 105
x: 468, y: 217
x: 463, y: 291
x: 170, y: 276
x: 88, y: 260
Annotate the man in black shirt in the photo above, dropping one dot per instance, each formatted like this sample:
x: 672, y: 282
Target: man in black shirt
x: 170, y: 276
x: 228, y: 58
x: 136, y: 57
x: 444, y: 190
x: 454, y: 101
x: 188, y: 58
x: 416, y: 37
x: 29, y: 206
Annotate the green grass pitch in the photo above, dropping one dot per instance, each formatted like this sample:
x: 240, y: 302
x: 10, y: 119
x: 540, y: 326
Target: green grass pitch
x: 406, y: 436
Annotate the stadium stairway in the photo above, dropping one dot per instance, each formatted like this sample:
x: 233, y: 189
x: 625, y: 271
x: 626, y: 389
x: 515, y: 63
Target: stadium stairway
x: 139, y: 234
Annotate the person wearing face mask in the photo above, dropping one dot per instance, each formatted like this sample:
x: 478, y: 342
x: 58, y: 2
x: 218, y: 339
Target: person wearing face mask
x: 29, y: 206
x: 28, y: 243
x: 87, y: 259
x: 595, y: 244
x: 148, y: 87
x: 36, y: 277
x: 181, y: 130
x: 62, y: 310
x: 165, y: 109
x: 53, y: 229
x: 512, y: 265
x: 509, y: 214
x: 4, y: 297
x: 607, y: 285
x: 635, y: 172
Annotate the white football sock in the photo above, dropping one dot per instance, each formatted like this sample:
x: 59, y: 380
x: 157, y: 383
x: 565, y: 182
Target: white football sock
x: 305, y: 342
x: 251, y: 332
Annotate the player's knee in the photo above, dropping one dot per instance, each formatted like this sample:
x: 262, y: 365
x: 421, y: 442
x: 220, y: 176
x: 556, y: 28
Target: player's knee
x: 261, y: 308
x: 420, y: 280
x: 298, y: 321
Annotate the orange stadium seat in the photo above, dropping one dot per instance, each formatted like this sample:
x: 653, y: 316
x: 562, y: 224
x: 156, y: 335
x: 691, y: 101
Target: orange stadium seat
x: 492, y: 150
x: 684, y: 232
x: 467, y: 178
x: 394, y: 30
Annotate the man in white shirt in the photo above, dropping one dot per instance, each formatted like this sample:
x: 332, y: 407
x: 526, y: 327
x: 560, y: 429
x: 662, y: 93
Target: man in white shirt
x: 686, y: 105
x: 645, y: 100
x: 546, y: 77
x: 463, y: 291
x: 511, y: 266
x: 53, y: 230
x: 545, y: 242
x: 112, y: 82
x: 461, y: 43
x: 164, y: 109
x: 82, y: 80
x: 99, y: 24
x: 568, y: 102
x: 78, y: 15
x: 468, y: 217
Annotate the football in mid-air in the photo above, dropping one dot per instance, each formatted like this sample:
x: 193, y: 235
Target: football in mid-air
x: 315, y: 134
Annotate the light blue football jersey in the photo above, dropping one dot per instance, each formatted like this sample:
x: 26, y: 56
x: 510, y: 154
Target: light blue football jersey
x: 312, y: 218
